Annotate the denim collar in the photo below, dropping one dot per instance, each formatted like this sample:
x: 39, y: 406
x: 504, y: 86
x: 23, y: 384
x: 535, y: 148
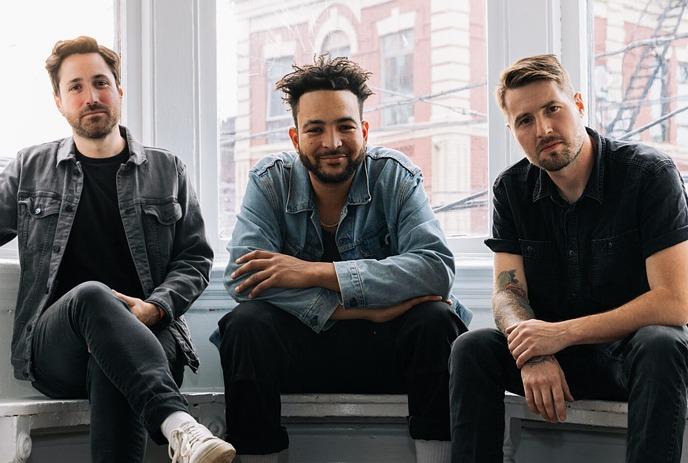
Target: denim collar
x: 544, y: 186
x: 67, y: 149
x: 300, y: 196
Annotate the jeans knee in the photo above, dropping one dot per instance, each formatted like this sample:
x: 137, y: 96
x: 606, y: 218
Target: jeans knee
x: 471, y: 348
x: 91, y: 291
x: 435, y: 320
x: 247, y: 322
x: 661, y: 345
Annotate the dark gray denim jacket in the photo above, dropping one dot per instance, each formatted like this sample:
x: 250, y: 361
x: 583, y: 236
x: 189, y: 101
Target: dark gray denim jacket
x: 39, y: 195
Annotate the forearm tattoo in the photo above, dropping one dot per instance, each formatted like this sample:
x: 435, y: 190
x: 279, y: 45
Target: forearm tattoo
x: 510, y: 302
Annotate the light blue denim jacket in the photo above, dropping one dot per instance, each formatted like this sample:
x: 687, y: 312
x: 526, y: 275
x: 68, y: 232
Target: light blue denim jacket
x: 390, y: 241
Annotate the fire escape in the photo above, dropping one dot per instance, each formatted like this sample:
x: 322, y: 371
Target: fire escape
x: 649, y: 65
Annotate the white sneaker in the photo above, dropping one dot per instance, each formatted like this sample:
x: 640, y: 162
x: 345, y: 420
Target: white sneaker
x: 194, y: 443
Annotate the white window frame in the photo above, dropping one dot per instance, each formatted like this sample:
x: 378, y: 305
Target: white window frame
x: 170, y: 82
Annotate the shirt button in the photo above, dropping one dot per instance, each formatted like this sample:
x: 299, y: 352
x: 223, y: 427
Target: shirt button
x: 572, y: 252
x: 529, y: 249
x: 610, y: 245
x: 38, y: 211
x: 314, y: 321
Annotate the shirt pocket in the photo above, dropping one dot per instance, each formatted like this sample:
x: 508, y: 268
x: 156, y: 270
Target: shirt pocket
x: 376, y: 244
x: 543, y: 275
x: 617, y: 269
x: 159, y: 220
x: 38, y: 222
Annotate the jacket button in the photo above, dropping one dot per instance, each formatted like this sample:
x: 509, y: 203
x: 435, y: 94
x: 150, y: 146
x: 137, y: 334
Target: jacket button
x: 69, y: 208
x: 38, y: 211
x: 56, y: 248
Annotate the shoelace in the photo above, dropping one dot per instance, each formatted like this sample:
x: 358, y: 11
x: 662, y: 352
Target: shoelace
x: 185, y: 437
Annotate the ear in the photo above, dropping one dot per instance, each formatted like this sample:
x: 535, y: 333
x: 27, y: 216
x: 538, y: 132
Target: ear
x: 294, y: 135
x: 120, y: 90
x: 364, y: 128
x: 578, y: 100
x: 58, y: 102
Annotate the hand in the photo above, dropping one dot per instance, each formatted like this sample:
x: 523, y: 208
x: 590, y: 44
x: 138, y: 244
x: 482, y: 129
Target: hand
x: 149, y: 314
x: 381, y: 315
x: 272, y: 269
x: 534, y: 338
x: 546, y: 388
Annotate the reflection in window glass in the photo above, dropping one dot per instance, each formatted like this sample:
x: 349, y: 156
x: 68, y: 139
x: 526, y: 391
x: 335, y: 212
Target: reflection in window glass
x: 28, y: 31
x: 428, y: 64
x: 639, y: 53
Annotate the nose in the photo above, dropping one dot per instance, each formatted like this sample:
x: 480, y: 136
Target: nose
x: 331, y: 139
x: 91, y: 95
x: 544, y: 127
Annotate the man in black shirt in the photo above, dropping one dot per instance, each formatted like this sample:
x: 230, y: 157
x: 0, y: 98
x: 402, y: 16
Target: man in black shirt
x: 591, y: 265
x: 113, y: 252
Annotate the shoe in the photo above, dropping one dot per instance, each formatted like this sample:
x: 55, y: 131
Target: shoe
x: 194, y: 443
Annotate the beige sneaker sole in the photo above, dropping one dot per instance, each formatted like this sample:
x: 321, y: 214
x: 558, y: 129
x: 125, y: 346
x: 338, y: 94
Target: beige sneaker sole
x: 219, y: 452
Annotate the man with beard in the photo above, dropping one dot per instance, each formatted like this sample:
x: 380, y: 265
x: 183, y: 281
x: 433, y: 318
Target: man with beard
x: 113, y: 251
x: 590, y: 265
x: 341, y: 271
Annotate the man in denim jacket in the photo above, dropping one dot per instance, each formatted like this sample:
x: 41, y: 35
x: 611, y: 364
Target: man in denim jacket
x: 112, y: 251
x: 336, y: 232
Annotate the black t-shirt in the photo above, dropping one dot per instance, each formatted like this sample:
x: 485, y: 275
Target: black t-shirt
x: 589, y: 257
x: 97, y: 249
x: 330, y: 251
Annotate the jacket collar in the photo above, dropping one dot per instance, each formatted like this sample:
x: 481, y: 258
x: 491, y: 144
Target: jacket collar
x: 300, y: 196
x: 67, y: 149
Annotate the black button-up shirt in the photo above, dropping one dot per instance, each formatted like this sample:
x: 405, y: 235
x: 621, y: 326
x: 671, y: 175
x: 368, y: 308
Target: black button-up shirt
x: 589, y: 257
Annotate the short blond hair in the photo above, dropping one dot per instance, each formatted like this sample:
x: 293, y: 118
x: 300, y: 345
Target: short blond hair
x: 79, y: 45
x: 532, y: 69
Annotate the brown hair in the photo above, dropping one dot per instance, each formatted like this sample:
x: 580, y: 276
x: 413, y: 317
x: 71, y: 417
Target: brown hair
x: 325, y: 74
x: 79, y: 45
x: 532, y: 69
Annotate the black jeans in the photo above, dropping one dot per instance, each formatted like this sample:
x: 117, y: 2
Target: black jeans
x: 648, y: 369
x: 88, y: 344
x: 266, y: 351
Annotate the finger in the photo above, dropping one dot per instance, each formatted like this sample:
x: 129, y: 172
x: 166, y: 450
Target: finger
x: 124, y: 298
x: 252, y: 280
x: 565, y: 386
x: 250, y: 266
x: 262, y: 286
x: 530, y: 399
x: 539, y: 405
x: 524, y: 357
x: 421, y: 299
x: 511, y: 328
x: 548, y: 402
x: 256, y: 254
x: 559, y: 404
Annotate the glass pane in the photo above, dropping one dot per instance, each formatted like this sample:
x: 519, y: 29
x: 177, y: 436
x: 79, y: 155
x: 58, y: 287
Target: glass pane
x: 640, y: 81
x: 428, y: 60
x: 28, y: 31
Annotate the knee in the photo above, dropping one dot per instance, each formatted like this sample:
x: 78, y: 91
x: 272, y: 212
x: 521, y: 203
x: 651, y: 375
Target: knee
x: 435, y: 320
x: 662, y: 344
x: 246, y: 322
x: 473, y: 348
x: 91, y: 291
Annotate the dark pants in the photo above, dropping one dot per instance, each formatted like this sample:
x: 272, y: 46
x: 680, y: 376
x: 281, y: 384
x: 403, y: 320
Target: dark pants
x: 88, y: 344
x: 266, y: 351
x: 648, y: 369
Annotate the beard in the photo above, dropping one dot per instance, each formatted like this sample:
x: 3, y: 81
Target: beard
x: 95, y: 127
x: 557, y: 160
x: 349, y: 170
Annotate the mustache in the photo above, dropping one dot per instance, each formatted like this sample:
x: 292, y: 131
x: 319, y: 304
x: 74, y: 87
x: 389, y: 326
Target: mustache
x: 95, y: 108
x: 341, y: 151
x: 548, y: 141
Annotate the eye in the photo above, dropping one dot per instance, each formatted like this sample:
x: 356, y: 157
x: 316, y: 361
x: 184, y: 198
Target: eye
x: 553, y: 108
x: 74, y: 87
x: 314, y: 130
x: 347, y: 128
x: 102, y: 83
x: 524, y: 121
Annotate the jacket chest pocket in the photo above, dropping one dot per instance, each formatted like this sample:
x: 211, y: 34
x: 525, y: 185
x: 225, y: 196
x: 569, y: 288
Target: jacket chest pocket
x: 617, y: 269
x: 37, y: 223
x: 543, y: 275
x: 376, y: 245
x: 159, y: 220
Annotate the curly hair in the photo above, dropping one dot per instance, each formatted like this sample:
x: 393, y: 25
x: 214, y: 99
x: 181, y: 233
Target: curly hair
x: 532, y: 69
x: 79, y: 45
x: 325, y: 73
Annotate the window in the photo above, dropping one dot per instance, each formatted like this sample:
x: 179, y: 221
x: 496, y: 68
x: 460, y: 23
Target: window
x: 397, y: 77
x: 28, y: 31
x: 642, y: 46
x: 337, y: 44
x: 429, y: 73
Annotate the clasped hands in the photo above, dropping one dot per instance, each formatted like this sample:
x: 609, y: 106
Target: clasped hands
x: 532, y: 344
x: 268, y: 269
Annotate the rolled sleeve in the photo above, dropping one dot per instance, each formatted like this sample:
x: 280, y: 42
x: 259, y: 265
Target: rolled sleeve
x: 350, y: 280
